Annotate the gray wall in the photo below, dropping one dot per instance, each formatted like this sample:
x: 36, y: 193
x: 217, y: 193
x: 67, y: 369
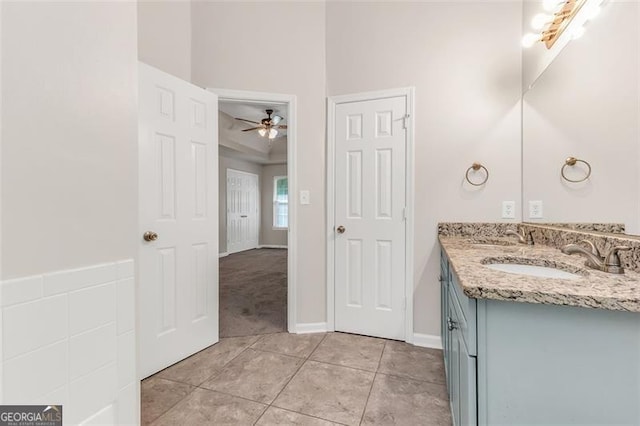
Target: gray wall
x: 219, y: 63
x: 464, y: 58
x: 164, y: 35
x: 69, y: 135
x: 268, y: 235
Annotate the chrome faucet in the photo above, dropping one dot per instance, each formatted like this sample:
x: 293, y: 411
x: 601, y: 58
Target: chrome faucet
x: 520, y: 235
x: 609, y: 263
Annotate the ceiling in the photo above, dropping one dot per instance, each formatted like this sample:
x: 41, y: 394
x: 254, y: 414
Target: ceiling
x: 250, y: 146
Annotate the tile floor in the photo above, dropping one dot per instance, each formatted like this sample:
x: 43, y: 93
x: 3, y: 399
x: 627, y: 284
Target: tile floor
x: 301, y: 379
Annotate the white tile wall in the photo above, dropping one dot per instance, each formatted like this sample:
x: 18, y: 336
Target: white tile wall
x: 92, y: 307
x: 91, y: 350
x: 69, y: 338
x: 35, y: 373
x: 91, y: 393
x: 127, y: 407
x: 32, y: 325
x: 125, y: 299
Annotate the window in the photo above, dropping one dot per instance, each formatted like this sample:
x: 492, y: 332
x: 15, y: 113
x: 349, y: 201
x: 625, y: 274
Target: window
x: 280, y: 202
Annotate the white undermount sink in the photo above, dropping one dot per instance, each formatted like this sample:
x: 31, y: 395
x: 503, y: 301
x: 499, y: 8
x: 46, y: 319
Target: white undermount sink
x: 532, y: 270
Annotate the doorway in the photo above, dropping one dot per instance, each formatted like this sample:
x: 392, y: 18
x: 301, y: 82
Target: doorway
x: 369, y: 210
x: 257, y: 278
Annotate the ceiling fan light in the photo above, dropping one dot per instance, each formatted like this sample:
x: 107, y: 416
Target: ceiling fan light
x: 262, y: 132
x: 273, y: 133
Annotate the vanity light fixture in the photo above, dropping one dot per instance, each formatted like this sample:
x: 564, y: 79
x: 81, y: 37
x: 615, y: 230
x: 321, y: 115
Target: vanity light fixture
x: 550, y: 26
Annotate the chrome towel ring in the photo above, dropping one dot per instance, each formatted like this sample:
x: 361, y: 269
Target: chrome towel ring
x: 475, y: 167
x: 572, y: 161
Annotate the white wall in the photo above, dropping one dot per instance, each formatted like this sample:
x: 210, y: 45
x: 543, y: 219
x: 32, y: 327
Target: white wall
x: 227, y: 37
x: 464, y: 60
x: 225, y: 163
x: 268, y: 235
x: 69, y: 218
x: 69, y: 156
x: 164, y: 35
x: 586, y: 105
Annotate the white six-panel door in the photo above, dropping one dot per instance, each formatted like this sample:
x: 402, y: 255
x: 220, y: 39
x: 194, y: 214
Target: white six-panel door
x: 243, y: 212
x: 178, y: 202
x: 370, y: 195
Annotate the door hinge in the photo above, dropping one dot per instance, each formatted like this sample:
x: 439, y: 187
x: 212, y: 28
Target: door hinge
x: 405, y: 119
x: 404, y: 213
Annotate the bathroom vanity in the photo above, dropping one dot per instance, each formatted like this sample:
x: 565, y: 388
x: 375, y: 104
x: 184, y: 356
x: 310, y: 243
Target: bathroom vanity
x: 529, y: 350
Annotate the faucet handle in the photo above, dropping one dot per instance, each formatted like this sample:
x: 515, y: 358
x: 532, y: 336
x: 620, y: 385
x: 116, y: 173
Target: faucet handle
x: 612, y: 258
x: 593, y: 247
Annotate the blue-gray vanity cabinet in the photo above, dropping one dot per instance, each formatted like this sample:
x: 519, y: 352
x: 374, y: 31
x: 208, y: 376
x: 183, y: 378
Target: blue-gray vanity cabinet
x: 514, y: 363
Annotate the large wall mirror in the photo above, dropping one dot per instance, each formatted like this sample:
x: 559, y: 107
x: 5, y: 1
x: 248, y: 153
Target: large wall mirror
x: 586, y: 105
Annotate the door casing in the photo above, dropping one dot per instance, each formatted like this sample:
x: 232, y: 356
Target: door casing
x: 292, y: 255
x: 333, y: 101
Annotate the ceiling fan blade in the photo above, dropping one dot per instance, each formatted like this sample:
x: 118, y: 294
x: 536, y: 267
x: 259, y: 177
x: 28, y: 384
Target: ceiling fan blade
x: 281, y: 126
x: 276, y: 119
x: 253, y: 128
x: 248, y: 121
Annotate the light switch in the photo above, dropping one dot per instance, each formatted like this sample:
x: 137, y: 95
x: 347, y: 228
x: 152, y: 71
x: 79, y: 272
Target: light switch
x: 305, y: 198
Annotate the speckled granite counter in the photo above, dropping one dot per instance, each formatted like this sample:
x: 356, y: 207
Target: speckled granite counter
x: 594, y: 289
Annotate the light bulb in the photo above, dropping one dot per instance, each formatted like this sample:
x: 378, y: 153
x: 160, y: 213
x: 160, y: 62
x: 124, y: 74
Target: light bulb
x: 530, y: 39
x: 273, y: 133
x: 550, y: 5
x: 262, y: 132
x: 540, y: 20
x: 577, y: 33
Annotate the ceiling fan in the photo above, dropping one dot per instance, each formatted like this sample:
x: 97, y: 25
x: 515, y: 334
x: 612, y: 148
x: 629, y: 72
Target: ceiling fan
x: 267, y: 127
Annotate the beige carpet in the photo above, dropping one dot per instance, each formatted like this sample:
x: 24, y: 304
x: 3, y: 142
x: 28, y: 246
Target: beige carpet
x: 253, y: 292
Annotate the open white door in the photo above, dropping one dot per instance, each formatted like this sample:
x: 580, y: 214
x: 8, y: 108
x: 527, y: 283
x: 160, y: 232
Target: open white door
x: 370, y: 225
x: 243, y: 213
x: 178, y: 208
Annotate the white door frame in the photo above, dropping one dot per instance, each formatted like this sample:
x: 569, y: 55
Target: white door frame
x: 290, y: 101
x: 333, y: 101
x: 258, y: 204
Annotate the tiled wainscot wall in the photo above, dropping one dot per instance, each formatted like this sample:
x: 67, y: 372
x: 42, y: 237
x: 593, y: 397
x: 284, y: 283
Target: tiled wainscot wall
x: 69, y: 338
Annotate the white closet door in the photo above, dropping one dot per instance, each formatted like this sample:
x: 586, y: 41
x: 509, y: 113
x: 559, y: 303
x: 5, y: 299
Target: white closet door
x: 370, y: 194
x: 243, y: 213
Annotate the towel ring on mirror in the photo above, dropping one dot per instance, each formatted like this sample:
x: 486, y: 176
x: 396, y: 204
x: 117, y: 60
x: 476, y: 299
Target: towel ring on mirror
x: 571, y: 161
x: 475, y: 167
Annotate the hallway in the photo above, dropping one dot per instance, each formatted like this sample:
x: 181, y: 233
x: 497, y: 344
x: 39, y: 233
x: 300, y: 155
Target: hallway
x: 253, y: 292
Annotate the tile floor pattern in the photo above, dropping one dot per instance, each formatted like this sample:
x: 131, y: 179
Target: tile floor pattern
x: 301, y: 379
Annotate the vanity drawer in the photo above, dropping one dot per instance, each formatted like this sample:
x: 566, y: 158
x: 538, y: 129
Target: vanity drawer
x: 466, y: 313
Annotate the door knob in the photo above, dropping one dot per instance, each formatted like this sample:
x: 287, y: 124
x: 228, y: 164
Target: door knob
x: 340, y: 229
x: 150, y: 236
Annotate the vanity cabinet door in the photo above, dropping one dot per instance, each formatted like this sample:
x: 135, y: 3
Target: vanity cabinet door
x: 452, y: 361
x: 461, y: 374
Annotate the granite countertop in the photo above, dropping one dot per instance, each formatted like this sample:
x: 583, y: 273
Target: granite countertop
x: 594, y: 289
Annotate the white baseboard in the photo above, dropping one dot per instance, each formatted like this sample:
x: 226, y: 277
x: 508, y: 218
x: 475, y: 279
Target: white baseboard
x: 310, y: 327
x: 427, y: 341
x: 225, y: 254
x: 271, y: 246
